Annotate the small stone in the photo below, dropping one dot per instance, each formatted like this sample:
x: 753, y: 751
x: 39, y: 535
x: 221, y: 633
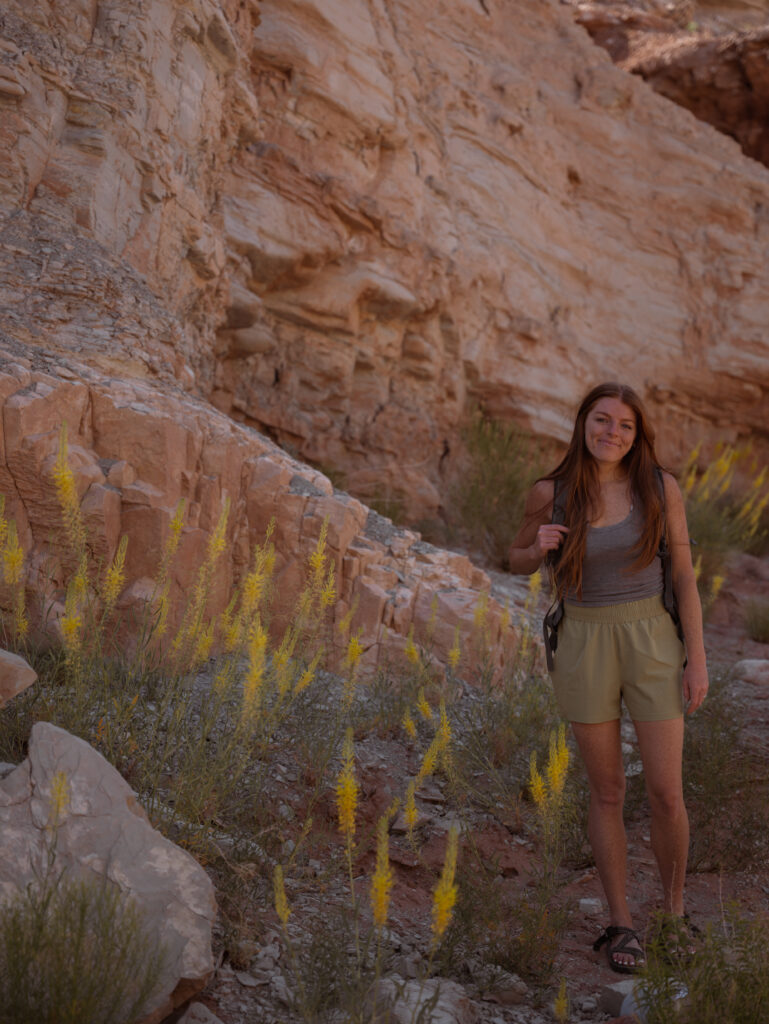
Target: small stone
x: 613, y: 996
x: 589, y: 1004
x: 16, y: 675
x: 198, y: 1013
x: 246, y: 979
x: 591, y: 906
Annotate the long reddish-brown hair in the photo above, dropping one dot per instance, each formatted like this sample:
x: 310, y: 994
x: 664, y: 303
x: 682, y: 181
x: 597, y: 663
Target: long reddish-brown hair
x: 577, y: 479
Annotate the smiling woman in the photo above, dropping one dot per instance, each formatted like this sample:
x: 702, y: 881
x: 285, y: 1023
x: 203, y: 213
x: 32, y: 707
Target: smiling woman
x: 605, y: 519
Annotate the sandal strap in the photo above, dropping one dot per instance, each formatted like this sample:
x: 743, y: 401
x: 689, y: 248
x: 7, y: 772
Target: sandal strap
x: 611, y: 932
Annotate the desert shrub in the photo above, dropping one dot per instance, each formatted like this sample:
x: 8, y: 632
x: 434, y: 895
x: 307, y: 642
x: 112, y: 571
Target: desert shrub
x: 75, y: 952
x: 725, y: 508
x: 487, y: 501
x: 757, y: 620
x: 726, y: 980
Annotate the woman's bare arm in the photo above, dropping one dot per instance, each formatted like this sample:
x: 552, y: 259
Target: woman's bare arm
x: 537, y: 534
x: 695, y: 680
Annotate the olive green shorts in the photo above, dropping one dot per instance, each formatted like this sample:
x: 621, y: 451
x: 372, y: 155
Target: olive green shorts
x: 618, y: 652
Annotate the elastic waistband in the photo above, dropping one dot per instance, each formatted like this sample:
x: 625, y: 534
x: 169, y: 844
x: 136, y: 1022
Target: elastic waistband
x: 648, y: 608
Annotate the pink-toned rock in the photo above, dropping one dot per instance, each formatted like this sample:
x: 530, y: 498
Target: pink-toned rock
x: 16, y: 675
x: 103, y: 834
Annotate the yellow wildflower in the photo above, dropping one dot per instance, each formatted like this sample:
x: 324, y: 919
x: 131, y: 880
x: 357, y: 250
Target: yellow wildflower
x: 347, y: 789
x: 443, y: 734
x: 535, y: 585
x: 410, y: 649
x: 536, y: 782
x: 561, y: 1004
x: 430, y: 759
x: 445, y: 895
x: 171, y: 544
x: 218, y: 539
x: 408, y: 724
x: 66, y: 492
x: 715, y: 587
x: 318, y: 559
x: 281, y: 903
x: 59, y: 799
x: 20, y: 620
x: 71, y: 625
x: 558, y: 761
x: 456, y: 652
x: 115, y: 577
x: 410, y: 812
x: 382, y: 879
x: 344, y: 622
x: 423, y: 706
x: 328, y: 594
x: 481, y: 611
x: 13, y: 556
x: 697, y: 567
x: 308, y: 675
x: 354, y: 651
x: 203, y: 644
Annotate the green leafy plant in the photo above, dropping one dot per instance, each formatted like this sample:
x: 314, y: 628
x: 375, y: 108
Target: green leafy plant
x: 75, y: 952
x: 502, y: 462
x: 757, y: 620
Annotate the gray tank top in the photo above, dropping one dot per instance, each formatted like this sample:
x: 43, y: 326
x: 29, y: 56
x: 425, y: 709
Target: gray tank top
x: 606, y: 578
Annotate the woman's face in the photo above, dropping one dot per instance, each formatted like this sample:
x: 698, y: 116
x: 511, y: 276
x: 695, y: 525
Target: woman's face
x: 610, y: 429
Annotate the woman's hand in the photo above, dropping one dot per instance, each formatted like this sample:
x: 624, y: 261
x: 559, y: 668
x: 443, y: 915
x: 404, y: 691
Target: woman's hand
x: 695, y: 682
x: 549, y: 538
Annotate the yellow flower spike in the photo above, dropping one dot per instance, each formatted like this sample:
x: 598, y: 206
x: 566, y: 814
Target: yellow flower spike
x: 535, y: 585
x: 281, y: 903
x: 410, y: 812
x: 481, y: 611
x: 20, y: 620
x: 308, y: 675
x: 504, y: 618
x: 456, y: 651
x: 423, y: 706
x: 444, y: 728
x: 697, y: 567
x: 536, y: 783
x: 410, y: 649
x: 445, y: 895
x: 66, y: 493
x: 114, y: 580
x: 328, y: 593
x: 429, y: 760
x: 161, y: 611
x: 346, y: 620
x: 715, y: 587
x: 557, y: 763
x: 13, y: 556
x: 561, y: 1004
x: 382, y: 879
x: 689, y: 482
x: 354, y: 651
x: 318, y: 559
x: 347, y: 789
x: 59, y: 799
x: 203, y: 644
x: 408, y: 724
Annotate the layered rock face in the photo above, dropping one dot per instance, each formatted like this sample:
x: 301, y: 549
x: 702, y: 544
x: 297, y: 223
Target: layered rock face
x: 343, y: 222
x: 712, y: 60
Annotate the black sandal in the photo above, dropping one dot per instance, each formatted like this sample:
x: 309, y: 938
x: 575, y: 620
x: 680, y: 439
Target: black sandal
x: 628, y: 935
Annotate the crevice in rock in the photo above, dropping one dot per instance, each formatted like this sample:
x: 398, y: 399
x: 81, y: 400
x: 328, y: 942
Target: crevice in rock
x: 713, y: 61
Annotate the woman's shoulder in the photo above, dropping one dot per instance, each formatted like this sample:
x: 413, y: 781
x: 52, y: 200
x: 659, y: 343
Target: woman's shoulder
x: 539, y: 501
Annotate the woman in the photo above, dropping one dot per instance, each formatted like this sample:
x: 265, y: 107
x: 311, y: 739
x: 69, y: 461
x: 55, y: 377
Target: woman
x: 616, y: 641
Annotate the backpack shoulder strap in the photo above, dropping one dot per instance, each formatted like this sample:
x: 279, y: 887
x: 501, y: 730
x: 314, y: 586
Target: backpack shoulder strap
x: 668, y: 594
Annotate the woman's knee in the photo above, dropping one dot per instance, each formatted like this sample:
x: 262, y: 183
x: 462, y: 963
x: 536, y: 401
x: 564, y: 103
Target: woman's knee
x: 609, y: 792
x: 667, y: 801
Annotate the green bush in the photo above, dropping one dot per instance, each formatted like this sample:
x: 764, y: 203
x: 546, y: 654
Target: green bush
x: 726, y: 980
x: 75, y: 952
x: 757, y: 620
x: 487, y: 502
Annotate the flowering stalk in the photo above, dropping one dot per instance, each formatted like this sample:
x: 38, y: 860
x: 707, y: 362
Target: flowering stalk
x: 445, y: 895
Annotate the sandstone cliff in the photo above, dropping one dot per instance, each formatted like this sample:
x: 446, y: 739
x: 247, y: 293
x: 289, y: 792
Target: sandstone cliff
x: 342, y: 222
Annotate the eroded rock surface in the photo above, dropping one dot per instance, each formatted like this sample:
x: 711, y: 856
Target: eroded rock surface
x: 711, y: 60
x: 102, y: 832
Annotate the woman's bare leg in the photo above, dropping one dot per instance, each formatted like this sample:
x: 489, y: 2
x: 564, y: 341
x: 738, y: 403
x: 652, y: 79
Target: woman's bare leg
x: 661, y: 747
x: 601, y: 749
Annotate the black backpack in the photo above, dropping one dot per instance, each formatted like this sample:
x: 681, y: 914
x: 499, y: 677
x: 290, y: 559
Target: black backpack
x: 554, y: 614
